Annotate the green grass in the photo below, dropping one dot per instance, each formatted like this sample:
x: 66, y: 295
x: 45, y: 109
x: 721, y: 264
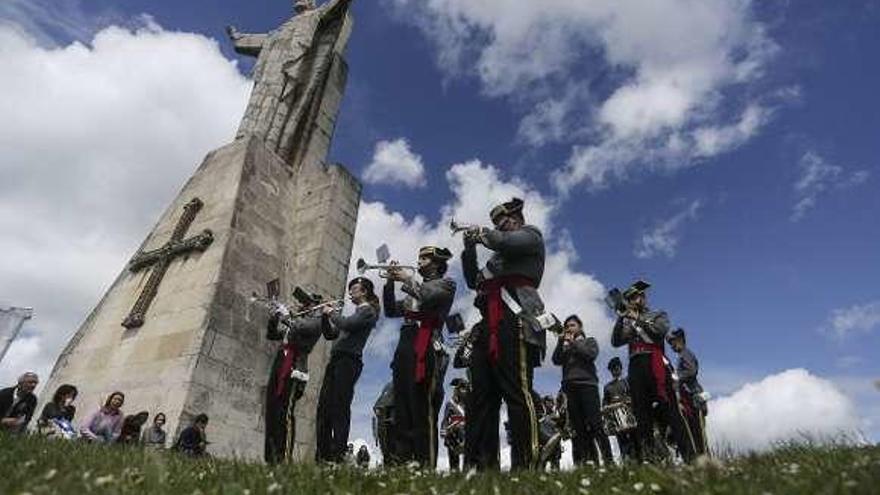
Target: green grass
x: 38, y: 466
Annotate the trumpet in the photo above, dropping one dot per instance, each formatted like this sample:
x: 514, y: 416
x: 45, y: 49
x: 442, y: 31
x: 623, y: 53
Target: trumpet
x: 456, y: 227
x: 363, y: 266
x: 271, y: 304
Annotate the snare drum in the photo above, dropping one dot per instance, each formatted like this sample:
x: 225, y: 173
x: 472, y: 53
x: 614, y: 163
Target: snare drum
x: 618, y: 418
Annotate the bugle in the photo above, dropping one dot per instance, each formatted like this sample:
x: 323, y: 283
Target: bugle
x: 363, y: 266
x: 456, y: 227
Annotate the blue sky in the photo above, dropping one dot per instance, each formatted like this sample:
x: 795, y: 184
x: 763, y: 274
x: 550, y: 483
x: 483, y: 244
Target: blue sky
x: 756, y: 279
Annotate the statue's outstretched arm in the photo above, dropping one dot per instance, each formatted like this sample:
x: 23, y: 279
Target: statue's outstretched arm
x: 245, y: 43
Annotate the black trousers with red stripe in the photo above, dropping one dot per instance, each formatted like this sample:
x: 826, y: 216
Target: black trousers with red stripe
x: 510, y: 380
x: 652, y: 410
x: 415, y: 428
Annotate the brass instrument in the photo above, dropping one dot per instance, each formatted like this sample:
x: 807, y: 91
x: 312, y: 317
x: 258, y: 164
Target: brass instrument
x: 456, y: 227
x: 271, y: 304
x: 363, y: 266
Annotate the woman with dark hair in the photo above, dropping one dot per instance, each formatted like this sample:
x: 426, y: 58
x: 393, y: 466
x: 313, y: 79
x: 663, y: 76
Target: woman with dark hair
x: 131, y: 428
x: 344, y: 369
x: 105, y: 424
x: 59, y: 412
x: 154, y: 436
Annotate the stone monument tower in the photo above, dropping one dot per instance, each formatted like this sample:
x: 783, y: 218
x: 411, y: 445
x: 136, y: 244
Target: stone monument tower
x: 177, y: 332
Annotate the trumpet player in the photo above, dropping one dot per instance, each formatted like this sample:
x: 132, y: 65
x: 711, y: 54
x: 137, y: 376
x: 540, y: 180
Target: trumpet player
x: 642, y: 330
x: 416, y: 363
x: 345, y: 366
x: 511, y: 337
x: 576, y: 353
x: 298, y: 335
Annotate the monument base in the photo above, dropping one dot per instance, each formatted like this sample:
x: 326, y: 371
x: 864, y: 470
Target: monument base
x: 202, y: 346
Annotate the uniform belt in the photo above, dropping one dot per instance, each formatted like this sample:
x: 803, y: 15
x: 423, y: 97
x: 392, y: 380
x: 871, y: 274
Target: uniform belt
x: 428, y: 322
x: 494, y: 306
x: 658, y: 364
x: 283, y: 371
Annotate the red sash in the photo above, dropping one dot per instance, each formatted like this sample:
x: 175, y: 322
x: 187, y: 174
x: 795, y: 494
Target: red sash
x: 283, y: 372
x: 658, y: 367
x: 495, y: 307
x: 427, y: 323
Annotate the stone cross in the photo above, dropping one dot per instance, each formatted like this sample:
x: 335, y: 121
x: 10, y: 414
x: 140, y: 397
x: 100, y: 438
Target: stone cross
x: 162, y: 258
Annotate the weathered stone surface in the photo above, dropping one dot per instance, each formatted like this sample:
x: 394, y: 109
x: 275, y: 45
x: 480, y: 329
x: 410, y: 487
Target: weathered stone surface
x: 202, y: 346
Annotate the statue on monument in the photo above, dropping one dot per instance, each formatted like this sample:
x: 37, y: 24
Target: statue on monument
x: 293, y: 63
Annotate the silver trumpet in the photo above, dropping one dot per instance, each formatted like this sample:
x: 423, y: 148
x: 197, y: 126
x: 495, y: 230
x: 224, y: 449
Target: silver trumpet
x: 363, y: 266
x: 272, y: 304
x: 456, y: 227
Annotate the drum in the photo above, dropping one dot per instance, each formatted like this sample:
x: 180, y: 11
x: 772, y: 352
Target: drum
x: 618, y: 418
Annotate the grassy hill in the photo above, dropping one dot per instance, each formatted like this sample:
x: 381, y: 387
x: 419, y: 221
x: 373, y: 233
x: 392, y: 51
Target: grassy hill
x: 40, y: 466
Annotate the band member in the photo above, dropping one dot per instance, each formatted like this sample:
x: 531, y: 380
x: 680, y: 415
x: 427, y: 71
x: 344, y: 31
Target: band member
x: 617, y: 391
x: 383, y: 421
x: 576, y: 354
x: 344, y: 369
x: 415, y: 364
x: 690, y: 390
x: 510, y: 339
x: 289, y: 374
x: 454, y: 420
x: 650, y: 378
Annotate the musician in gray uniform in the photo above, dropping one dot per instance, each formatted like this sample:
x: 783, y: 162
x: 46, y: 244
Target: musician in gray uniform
x: 617, y: 392
x: 454, y: 420
x: 642, y: 330
x: 690, y: 391
x: 576, y: 353
x: 414, y: 368
x: 344, y: 369
x: 510, y: 339
x: 287, y: 382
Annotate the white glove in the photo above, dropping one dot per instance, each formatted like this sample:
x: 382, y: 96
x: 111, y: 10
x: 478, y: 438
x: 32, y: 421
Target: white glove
x: 280, y: 310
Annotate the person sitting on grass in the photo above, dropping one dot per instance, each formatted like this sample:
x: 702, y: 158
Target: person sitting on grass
x: 56, y: 419
x: 154, y: 436
x: 17, y: 404
x: 131, y: 428
x: 105, y: 425
x: 192, y: 440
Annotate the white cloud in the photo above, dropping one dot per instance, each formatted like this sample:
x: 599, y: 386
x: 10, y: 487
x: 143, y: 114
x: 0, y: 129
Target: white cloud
x: 860, y: 318
x: 95, y: 141
x: 394, y: 163
x: 791, y: 405
x: 673, y: 100
x: 664, y: 236
x: 818, y: 178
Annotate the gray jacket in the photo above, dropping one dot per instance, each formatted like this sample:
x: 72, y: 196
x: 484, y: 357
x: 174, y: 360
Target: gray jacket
x: 516, y: 253
x: 616, y: 391
x: 653, y: 325
x: 578, y: 360
x: 687, y: 370
x: 303, y: 332
x: 351, y: 332
x: 433, y: 296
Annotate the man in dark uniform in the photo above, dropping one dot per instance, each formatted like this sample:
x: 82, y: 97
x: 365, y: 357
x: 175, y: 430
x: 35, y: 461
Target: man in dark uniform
x: 690, y: 390
x: 510, y: 339
x: 344, y: 369
x: 383, y: 421
x: 576, y: 354
x: 616, y: 392
x: 654, y: 401
x: 414, y: 368
x: 289, y: 373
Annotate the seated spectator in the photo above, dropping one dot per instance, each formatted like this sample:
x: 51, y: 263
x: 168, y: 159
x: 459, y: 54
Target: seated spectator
x: 154, y: 436
x: 17, y: 404
x: 131, y: 428
x: 192, y: 440
x: 56, y: 419
x: 105, y: 425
